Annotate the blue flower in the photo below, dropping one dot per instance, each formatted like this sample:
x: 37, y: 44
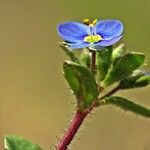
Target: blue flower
x: 88, y: 34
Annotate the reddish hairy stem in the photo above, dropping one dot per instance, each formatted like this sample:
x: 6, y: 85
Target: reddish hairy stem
x: 72, y: 130
x: 78, y: 118
x: 93, y: 67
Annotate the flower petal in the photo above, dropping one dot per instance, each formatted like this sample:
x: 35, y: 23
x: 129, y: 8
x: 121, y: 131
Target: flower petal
x: 73, y: 31
x: 109, y: 28
x: 79, y: 45
x: 109, y: 42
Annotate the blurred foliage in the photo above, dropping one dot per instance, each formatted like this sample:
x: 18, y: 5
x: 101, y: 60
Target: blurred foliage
x: 19, y: 143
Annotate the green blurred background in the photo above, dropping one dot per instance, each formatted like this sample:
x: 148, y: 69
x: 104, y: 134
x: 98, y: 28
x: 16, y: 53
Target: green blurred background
x: 34, y: 98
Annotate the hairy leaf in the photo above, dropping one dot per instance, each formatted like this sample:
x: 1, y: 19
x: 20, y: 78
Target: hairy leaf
x: 124, y: 67
x: 117, y: 53
x: 103, y: 60
x: 85, y: 58
x: 130, y: 81
x: 128, y: 105
x: 143, y: 81
x: 82, y: 82
x: 19, y: 143
x: 69, y: 52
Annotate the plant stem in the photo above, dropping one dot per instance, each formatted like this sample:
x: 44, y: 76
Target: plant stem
x: 111, y: 92
x: 72, y: 130
x: 93, y: 67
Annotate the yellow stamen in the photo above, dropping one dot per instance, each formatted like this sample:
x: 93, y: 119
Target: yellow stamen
x: 86, y: 21
x: 92, y: 38
x: 94, y: 21
x: 89, y: 23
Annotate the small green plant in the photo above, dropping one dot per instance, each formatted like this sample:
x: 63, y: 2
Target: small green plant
x: 95, y: 74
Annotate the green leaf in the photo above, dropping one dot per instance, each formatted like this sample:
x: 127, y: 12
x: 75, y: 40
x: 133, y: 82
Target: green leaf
x: 127, y: 105
x: 118, y: 52
x: 103, y: 60
x: 85, y: 58
x: 130, y: 81
x: 124, y: 67
x: 19, y: 143
x: 143, y: 81
x: 69, y: 52
x: 82, y: 82
x: 135, y: 80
